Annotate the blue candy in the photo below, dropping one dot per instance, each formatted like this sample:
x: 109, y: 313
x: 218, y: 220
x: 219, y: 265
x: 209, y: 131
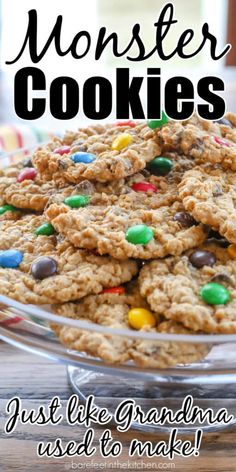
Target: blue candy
x: 10, y: 259
x: 84, y: 157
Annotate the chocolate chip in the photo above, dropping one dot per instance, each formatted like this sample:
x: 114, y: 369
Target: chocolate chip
x: 145, y: 173
x: 214, y: 234
x: 220, y: 242
x: 79, y: 146
x: 217, y: 190
x: 28, y: 162
x: 198, y: 143
x: 202, y: 258
x: 85, y: 187
x: 224, y: 122
x: 62, y: 164
x: 219, y: 278
x: 185, y: 219
x: 43, y: 267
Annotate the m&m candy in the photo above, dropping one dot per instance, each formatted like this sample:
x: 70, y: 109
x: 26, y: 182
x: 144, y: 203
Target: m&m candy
x: 153, y: 124
x: 144, y: 187
x: 44, y: 267
x: 5, y: 208
x: 77, y: 201
x: 215, y: 294
x: 139, y: 234
x: 160, y: 166
x: 45, y: 229
x: 122, y: 141
x: 129, y: 123
x: 83, y: 157
x: 222, y: 142
x: 29, y: 173
x: 140, y: 317
x: 202, y: 258
x: 10, y: 259
x: 62, y: 150
x: 115, y: 290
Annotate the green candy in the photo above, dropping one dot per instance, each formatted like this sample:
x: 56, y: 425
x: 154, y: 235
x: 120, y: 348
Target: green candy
x: 215, y: 294
x: 45, y: 230
x: 77, y: 201
x: 160, y: 166
x: 6, y: 208
x: 153, y: 124
x: 139, y: 234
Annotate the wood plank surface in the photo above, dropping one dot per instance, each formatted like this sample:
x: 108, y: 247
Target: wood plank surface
x: 37, y: 380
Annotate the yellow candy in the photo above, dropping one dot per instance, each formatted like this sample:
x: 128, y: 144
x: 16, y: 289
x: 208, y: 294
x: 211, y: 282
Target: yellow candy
x: 232, y: 251
x: 139, y: 317
x: 122, y: 141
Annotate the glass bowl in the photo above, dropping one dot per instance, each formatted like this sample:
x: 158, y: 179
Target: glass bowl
x: 210, y: 381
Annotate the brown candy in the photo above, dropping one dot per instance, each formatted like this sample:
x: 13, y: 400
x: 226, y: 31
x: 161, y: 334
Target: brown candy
x: 185, y: 219
x: 202, y: 258
x: 28, y: 162
x: 222, y: 278
x: 85, y: 187
x: 214, y: 234
x: 44, y: 267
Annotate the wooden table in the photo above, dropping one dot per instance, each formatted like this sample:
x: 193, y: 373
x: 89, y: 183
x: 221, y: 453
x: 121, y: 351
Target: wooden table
x: 36, y: 380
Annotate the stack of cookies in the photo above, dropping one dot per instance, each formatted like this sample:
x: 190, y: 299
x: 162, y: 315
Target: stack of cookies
x: 130, y: 225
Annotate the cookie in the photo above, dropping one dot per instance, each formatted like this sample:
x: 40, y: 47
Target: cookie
x: 112, y: 310
x: 7, y: 176
x: 34, y: 194
x: 209, y: 195
x: 116, y: 153
x: 196, y: 288
x: 135, y: 226
x: 107, y: 309
x: 23, y: 188
x: 202, y: 140
x: 166, y: 354
x: 37, y: 266
x: 225, y: 127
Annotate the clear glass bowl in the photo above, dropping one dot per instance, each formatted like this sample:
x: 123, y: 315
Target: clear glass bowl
x: 28, y: 327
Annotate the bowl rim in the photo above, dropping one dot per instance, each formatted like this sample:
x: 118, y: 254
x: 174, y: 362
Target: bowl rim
x: 25, y: 311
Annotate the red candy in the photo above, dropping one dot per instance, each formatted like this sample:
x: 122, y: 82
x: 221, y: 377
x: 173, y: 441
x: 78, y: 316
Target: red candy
x: 62, y: 150
x: 221, y: 142
x: 117, y: 290
x: 29, y: 173
x: 10, y: 321
x: 144, y: 187
x: 129, y: 123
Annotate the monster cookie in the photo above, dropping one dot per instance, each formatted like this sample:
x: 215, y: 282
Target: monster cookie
x: 132, y: 227
x: 27, y: 191
x: 118, y: 309
x: 7, y: 176
x: 209, y: 195
x: 225, y: 127
x: 118, y: 152
x: 8, y: 212
x: 23, y: 188
x: 169, y: 353
x: 202, y: 140
x: 196, y: 288
x: 109, y: 308
x: 39, y: 267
